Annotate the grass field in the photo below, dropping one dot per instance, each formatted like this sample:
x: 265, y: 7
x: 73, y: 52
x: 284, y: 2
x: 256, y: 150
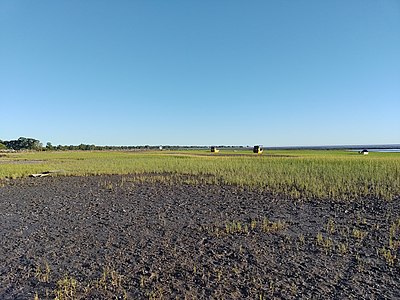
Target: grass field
x: 340, y: 175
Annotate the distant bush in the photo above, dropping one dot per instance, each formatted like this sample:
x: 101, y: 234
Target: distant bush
x: 23, y: 144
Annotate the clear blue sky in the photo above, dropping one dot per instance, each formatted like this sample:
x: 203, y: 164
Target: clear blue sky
x: 191, y: 72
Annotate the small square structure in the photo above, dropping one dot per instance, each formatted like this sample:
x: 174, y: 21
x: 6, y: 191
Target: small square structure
x: 214, y: 149
x: 257, y: 149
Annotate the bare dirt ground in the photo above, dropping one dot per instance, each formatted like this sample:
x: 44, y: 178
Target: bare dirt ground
x: 116, y: 237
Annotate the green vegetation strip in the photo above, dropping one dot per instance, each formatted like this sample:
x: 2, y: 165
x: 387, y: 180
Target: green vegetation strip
x: 340, y: 175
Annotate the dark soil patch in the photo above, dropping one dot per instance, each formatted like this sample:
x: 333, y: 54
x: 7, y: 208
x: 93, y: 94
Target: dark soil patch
x: 115, y: 236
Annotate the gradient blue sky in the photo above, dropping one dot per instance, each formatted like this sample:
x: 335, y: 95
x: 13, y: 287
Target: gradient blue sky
x: 276, y: 73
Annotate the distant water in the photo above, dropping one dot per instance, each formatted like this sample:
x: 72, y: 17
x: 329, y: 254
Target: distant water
x: 379, y: 150
x: 384, y: 150
x: 369, y: 147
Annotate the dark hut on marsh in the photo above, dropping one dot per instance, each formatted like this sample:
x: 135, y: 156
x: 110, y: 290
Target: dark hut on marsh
x: 214, y: 149
x: 257, y: 149
x: 364, y: 152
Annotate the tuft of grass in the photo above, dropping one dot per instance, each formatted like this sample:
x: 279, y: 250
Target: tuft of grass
x: 330, y: 226
x: 343, y: 248
x: 268, y: 226
x: 302, y: 239
x: 359, y: 234
x: 394, y: 235
x: 325, y: 243
x: 42, y: 273
x: 389, y: 257
x: 247, y: 227
x: 66, y: 288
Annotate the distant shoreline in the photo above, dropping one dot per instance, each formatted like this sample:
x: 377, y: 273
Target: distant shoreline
x: 339, y: 147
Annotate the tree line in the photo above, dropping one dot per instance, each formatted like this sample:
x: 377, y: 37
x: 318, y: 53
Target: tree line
x: 24, y: 143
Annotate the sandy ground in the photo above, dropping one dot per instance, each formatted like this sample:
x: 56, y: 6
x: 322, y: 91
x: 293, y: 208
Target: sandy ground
x: 107, y: 237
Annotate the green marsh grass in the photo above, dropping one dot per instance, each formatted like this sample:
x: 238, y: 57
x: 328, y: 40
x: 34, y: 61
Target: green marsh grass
x: 298, y: 174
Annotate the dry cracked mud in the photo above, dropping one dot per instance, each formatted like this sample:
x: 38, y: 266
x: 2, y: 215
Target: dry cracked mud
x: 116, y: 237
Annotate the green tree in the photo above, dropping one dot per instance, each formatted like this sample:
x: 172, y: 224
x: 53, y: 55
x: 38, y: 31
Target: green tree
x: 49, y: 146
x: 24, y: 143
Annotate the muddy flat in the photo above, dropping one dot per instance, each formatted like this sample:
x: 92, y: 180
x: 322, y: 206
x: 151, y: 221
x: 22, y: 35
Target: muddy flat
x: 116, y: 237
